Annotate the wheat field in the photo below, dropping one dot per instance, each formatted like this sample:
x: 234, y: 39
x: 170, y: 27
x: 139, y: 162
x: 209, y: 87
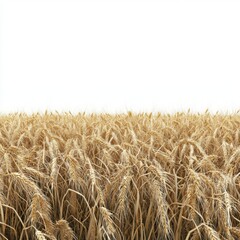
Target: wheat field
x: 120, y: 176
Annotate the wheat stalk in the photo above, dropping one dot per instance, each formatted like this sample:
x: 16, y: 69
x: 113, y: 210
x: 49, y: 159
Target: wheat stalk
x: 119, y: 176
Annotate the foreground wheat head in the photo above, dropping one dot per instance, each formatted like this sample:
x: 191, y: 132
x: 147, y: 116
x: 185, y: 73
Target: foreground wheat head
x: 122, y: 176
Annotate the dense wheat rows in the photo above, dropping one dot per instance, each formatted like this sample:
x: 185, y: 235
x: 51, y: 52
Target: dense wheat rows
x: 126, y: 176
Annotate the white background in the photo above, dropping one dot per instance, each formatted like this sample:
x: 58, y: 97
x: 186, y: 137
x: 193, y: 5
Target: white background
x: 117, y: 56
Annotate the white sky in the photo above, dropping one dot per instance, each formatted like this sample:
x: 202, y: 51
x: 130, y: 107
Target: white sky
x: 117, y: 56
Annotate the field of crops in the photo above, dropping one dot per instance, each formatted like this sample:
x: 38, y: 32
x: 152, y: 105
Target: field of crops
x: 123, y: 176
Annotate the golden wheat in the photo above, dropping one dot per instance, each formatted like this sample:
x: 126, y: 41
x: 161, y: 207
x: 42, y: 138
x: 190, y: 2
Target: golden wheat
x: 123, y: 176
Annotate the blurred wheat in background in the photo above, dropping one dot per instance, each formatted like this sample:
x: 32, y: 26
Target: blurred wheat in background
x: 122, y: 176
